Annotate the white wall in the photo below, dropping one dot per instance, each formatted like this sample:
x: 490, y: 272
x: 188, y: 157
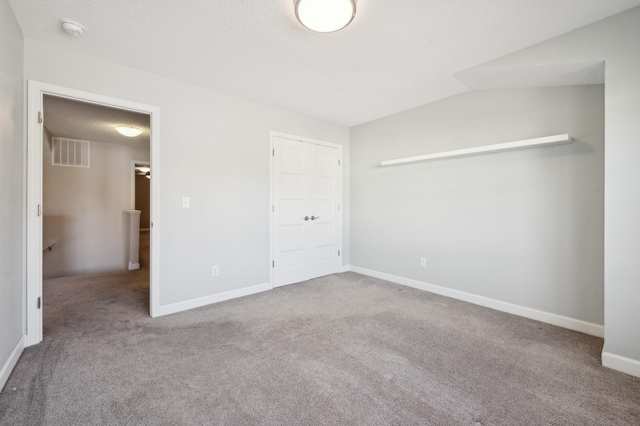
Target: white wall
x: 214, y: 149
x: 84, y: 210
x: 524, y: 227
x: 11, y: 185
x: 615, y: 40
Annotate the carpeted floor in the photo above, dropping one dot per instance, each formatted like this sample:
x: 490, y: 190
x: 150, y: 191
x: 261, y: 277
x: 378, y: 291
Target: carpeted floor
x: 339, y: 350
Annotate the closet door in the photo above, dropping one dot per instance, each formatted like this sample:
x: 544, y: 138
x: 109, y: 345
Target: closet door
x: 306, y: 217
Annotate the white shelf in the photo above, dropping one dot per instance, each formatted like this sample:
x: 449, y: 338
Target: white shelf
x: 499, y: 147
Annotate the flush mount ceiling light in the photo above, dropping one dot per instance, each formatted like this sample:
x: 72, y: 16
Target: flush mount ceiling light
x: 129, y: 131
x: 74, y: 28
x: 325, y: 16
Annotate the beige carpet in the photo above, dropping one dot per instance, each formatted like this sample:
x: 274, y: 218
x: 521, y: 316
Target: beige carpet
x: 339, y: 350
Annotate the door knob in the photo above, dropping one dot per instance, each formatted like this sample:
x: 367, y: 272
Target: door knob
x: 315, y: 217
x: 306, y: 218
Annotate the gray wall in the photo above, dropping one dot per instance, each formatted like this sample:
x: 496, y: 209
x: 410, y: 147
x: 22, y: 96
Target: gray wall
x: 214, y: 149
x: 84, y: 210
x: 525, y: 227
x: 11, y: 184
x: 615, y: 40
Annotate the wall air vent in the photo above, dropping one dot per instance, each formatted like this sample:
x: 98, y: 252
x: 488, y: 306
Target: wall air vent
x: 70, y: 152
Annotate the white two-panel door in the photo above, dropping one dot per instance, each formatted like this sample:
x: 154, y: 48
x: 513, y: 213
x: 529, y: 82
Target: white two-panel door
x: 306, y: 210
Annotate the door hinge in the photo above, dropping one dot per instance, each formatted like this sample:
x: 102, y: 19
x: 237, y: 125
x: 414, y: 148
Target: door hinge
x: 273, y: 152
x: 273, y: 207
x: 273, y: 263
x: 39, y: 209
x: 338, y: 161
x: 39, y: 302
x: 40, y: 117
x: 338, y: 252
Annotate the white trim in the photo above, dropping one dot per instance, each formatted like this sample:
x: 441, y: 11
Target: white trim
x: 154, y: 212
x: 345, y: 268
x: 33, y: 240
x: 274, y: 134
x: 134, y: 266
x: 511, y: 308
x: 33, y: 221
x: 499, y: 147
x: 621, y: 363
x: 208, y: 300
x: 11, y: 362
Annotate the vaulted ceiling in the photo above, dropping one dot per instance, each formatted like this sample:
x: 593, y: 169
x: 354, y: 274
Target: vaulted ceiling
x: 394, y: 56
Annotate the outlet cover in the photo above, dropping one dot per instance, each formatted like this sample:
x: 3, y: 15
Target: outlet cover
x: 215, y: 271
x: 423, y: 262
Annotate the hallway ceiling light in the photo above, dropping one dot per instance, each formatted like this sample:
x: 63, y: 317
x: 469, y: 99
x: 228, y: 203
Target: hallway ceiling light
x: 74, y: 28
x: 325, y: 16
x: 128, y: 131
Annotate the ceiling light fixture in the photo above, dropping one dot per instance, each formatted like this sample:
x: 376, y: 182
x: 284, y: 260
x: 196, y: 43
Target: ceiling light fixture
x: 129, y: 131
x: 325, y: 16
x: 74, y: 28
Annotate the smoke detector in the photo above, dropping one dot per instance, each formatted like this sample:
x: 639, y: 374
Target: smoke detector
x: 74, y: 28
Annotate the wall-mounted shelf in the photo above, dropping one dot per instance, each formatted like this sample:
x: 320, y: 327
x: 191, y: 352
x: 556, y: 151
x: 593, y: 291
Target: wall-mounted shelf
x: 499, y: 147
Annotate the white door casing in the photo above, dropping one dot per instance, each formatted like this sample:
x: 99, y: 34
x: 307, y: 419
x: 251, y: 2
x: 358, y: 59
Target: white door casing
x: 33, y: 239
x: 306, y: 183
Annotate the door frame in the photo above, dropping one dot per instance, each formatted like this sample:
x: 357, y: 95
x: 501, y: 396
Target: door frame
x: 272, y: 135
x: 133, y: 180
x: 33, y: 239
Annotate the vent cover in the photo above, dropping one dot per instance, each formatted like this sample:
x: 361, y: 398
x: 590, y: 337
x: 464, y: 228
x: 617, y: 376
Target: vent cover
x: 70, y: 152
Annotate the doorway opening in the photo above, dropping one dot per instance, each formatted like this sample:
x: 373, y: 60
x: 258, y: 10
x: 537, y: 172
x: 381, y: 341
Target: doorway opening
x: 79, y: 192
x: 140, y: 203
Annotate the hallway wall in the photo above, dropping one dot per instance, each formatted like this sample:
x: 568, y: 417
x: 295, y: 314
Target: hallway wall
x: 84, y: 210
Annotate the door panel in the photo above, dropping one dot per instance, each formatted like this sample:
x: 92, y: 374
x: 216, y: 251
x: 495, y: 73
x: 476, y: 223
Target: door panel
x: 324, y: 198
x: 306, y: 184
x: 291, y: 190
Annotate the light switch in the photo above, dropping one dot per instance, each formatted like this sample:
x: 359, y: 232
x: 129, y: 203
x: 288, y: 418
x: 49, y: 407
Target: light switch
x: 185, y: 202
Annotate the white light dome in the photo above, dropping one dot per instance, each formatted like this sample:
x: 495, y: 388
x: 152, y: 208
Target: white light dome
x: 129, y: 131
x: 325, y: 16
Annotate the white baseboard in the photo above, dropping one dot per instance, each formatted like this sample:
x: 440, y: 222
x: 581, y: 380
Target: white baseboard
x: 208, y: 300
x: 133, y: 266
x: 345, y: 268
x: 7, y: 368
x: 549, y: 318
x: 621, y: 363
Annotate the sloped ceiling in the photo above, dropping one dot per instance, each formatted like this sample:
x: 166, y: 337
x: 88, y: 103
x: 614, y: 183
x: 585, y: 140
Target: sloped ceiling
x: 394, y: 56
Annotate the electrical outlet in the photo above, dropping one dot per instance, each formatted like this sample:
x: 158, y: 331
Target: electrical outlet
x: 186, y: 202
x: 215, y: 271
x: 423, y: 262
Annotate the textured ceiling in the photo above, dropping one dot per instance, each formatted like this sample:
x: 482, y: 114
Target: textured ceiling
x: 394, y: 55
x: 68, y: 118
